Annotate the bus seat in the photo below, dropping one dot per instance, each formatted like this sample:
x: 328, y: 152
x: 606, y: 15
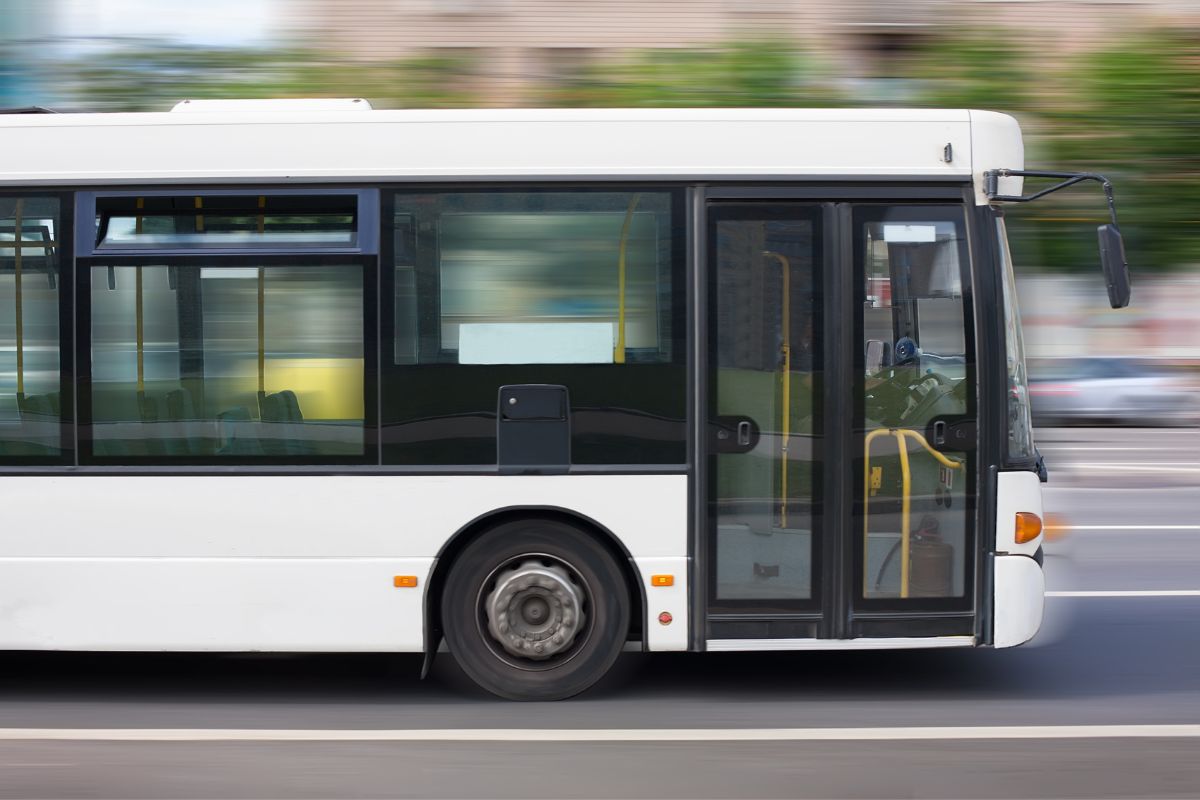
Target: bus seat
x: 282, y: 411
x: 40, y: 405
x: 151, y: 412
x: 181, y: 412
x: 230, y: 425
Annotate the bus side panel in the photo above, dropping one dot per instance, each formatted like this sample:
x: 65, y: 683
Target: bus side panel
x: 1019, y: 586
x: 224, y: 604
x: 1019, y: 600
x: 274, y: 562
x: 1015, y: 492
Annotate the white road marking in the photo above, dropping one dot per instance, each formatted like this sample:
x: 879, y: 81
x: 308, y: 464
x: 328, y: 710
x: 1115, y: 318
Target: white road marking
x: 1123, y: 527
x: 1144, y: 448
x: 603, y: 735
x: 1189, y: 468
x: 1130, y: 593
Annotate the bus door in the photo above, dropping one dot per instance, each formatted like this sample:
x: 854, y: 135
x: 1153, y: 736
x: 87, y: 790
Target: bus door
x: 839, y: 469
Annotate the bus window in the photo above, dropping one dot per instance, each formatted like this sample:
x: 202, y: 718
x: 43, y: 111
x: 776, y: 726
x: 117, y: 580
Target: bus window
x: 225, y: 362
x: 1020, y: 421
x: 30, y: 392
x: 581, y: 288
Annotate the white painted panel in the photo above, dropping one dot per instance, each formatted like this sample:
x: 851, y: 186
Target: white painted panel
x: 1016, y: 491
x: 995, y: 144
x: 1020, y: 591
x: 535, y: 343
x: 232, y: 604
x: 307, y: 516
x: 274, y: 562
x: 672, y: 599
x: 116, y: 148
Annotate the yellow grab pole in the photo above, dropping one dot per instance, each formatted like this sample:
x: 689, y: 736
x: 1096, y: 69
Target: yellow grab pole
x: 867, y: 441
x: 137, y: 225
x: 199, y: 216
x: 20, y: 317
x: 921, y: 440
x: 141, y: 332
x: 901, y: 435
x: 905, y: 513
x: 262, y: 332
x: 619, y: 350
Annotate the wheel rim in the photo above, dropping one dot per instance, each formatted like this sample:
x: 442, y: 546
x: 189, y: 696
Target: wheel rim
x: 535, y: 610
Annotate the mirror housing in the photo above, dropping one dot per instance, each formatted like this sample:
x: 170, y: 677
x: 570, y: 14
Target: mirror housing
x: 1112, y: 260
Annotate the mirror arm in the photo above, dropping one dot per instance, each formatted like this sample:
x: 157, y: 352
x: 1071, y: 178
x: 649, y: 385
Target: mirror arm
x: 991, y: 186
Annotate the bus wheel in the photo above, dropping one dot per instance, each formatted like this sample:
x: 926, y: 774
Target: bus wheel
x: 535, y: 610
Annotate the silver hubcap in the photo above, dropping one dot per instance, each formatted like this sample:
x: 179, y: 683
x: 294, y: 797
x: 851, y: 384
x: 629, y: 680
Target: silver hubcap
x: 535, y: 611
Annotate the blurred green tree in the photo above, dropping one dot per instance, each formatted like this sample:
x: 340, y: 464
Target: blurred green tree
x: 974, y: 68
x: 155, y: 78
x: 755, y: 74
x: 1132, y: 111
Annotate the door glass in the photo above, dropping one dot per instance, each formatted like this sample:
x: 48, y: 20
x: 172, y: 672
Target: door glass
x: 765, y: 420
x: 915, y: 403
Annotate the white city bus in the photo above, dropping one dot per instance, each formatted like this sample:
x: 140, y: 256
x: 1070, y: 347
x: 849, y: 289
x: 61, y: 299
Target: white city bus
x: 540, y: 385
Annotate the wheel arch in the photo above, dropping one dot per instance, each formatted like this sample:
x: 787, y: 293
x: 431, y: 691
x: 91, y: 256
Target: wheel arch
x: 450, y: 551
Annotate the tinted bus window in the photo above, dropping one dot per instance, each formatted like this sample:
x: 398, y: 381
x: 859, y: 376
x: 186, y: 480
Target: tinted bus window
x: 159, y: 222
x: 583, y: 289
x: 224, y: 362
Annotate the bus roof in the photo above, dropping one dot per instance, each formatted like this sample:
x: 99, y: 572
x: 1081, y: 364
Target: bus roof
x: 253, y: 143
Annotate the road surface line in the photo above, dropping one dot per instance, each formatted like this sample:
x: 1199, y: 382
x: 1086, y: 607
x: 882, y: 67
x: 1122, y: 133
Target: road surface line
x: 1123, y: 527
x: 1186, y: 469
x: 604, y: 735
x: 1144, y: 448
x: 1130, y: 593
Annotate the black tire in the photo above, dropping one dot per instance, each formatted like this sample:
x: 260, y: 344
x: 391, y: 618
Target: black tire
x: 499, y: 558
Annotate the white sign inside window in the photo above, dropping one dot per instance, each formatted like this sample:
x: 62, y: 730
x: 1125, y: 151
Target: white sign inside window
x: 535, y: 343
x: 909, y: 234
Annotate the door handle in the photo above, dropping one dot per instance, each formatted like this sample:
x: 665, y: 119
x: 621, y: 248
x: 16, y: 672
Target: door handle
x: 939, y: 433
x: 743, y: 433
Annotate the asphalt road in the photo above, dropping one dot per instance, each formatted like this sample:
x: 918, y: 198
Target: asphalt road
x: 1120, y: 650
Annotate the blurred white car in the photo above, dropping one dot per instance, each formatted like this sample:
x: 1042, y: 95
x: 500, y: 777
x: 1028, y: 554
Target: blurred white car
x: 1122, y: 391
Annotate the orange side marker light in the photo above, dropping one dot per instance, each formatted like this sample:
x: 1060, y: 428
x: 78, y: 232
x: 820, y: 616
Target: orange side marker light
x: 404, y: 581
x: 1029, y: 526
x: 662, y: 580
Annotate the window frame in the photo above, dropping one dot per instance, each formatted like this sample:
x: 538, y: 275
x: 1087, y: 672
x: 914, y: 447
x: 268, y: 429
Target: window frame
x: 83, y: 345
x: 867, y: 609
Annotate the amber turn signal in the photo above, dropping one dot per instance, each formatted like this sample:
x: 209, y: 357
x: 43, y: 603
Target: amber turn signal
x: 1029, y: 526
x: 662, y: 580
x: 404, y: 581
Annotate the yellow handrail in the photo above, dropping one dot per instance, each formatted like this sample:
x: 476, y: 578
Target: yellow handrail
x: 20, y: 317
x: 262, y: 333
x: 619, y: 350
x: 140, y: 334
x: 901, y: 435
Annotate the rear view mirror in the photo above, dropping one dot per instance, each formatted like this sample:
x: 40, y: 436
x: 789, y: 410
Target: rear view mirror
x: 1112, y: 259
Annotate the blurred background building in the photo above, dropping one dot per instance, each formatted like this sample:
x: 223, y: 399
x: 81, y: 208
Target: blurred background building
x: 1110, y: 86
